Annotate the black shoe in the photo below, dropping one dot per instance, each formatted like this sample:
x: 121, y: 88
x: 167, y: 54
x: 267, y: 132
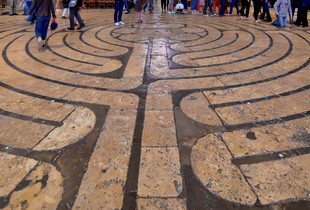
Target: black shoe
x: 63, y: 17
x: 15, y: 14
x: 80, y: 27
x: 70, y: 29
x: 11, y: 14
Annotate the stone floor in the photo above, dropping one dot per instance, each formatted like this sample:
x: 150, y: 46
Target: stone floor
x: 180, y: 112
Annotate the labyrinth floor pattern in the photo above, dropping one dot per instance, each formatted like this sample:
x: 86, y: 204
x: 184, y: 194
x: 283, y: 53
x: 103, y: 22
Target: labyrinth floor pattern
x: 180, y: 112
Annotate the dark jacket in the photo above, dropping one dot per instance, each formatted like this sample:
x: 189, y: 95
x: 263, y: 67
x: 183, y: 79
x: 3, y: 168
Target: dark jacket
x: 45, y: 9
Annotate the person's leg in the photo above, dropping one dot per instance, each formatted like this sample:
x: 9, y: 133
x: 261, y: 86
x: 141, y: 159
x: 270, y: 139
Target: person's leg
x: 46, y: 22
x: 256, y: 8
x: 116, y: 8
x: 78, y: 17
x: 237, y: 6
x: 280, y: 20
x: 71, y: 17
x: 231, y: 7
x: 64, y: 12
x: 194, y: 4
x: 204, y: 11
x: 242, y: 7
x: 284, y: 21
x: 304, y: 20
x: 38, y: 28
x: 222, y: 7
x: 210, y: 6
x: 262, y: 16
x: 11, y: 2
x: 247, y: 8
x: 120, y: 13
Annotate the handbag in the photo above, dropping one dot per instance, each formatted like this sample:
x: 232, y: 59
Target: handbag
x: 72, y: 3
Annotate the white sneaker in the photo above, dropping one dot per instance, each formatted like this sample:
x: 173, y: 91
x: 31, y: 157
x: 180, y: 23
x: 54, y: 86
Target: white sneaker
x: 116, y: 23
x: 121, y: 23
x: 169, y: 12
x: 172, y: 12
x: 213, y: 14
x: 205, y: 15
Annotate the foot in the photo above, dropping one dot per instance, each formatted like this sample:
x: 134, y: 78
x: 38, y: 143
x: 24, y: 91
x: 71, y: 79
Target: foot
x: 70, y: 29
x: 63, y: 17
x: 80, y: 27
x: 40, y: 45
x: 205, y: 15
x: 228, y: 14
x: 121, y: 23
x: 15, y: 14
x: 213, y: 14
x: 116, y: 23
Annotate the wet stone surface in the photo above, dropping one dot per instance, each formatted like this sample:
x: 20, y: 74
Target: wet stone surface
x: 180, y: 112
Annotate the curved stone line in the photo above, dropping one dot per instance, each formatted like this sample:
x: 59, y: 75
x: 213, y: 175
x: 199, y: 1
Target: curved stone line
x: 220, y: 64
x: 82, y: 40
x: 238, y: 50
x: 29, y: 118
x: 62, y: 56
x: 64, y: 40
x: 195, y: 45
x: 213, y: 48
x: 238, y: 72
x: 57, y: 67
x: 255, y: 100
x: 97, y: 37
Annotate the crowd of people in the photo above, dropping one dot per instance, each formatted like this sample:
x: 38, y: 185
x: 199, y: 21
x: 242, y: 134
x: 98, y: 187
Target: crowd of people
x: 44, y: 9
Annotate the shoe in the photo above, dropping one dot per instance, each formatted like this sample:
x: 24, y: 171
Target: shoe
x: 75, y: 24
x: 228, y: 14
x: 169, y: 12
x: 11, y: 14
x: 213, y: 14
x: 40, y: 45
x: 172, y: 12
x: 121, y: 23
x: 80, y: 27
x: 70, y: 29
x: 63, y: 17
x: 15, y: 14
x: 205, y: 15
x: 116, y: 23
x: 257, y: 21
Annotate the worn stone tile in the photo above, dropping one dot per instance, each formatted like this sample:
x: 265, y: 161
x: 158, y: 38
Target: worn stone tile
x: 160, y: 172
x: 198, y: 108
x: 103, y: 183
x: 43, y: 190
x: 153, y: 203
x: 159, y: 129
x: 279, y: 180
x: 21, y: 133
x: 78, y: 124
x: 211, y: 162
x: 13, y: 170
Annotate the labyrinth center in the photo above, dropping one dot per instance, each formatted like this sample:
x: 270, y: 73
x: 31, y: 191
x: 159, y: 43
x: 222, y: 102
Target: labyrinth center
x: 180, y: 112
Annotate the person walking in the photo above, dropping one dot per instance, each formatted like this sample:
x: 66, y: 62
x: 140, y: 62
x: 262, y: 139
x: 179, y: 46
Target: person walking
x: 66, y: 9
x: 74, y: 12
x: 302, y: 12
x: 44, y: 9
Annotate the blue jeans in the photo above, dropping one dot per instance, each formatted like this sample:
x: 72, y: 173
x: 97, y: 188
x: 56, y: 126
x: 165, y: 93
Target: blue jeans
x: 207, y: 4
x: 281, y: 22
x: 194, y: 5
x: 27, y: 7
x: 75, y: 12
x: 127, y: 6
x: 234, y: 3
x: 42, y: 26
x: 150, y: 5
x: 118, y: 11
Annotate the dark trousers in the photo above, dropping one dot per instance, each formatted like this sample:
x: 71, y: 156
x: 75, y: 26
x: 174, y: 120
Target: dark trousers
x: 118, y: 11
x: 245, y: 5
x: 184, y: 2
x: 207, y: 4
x: 265, y: 11
x: 234, y: 3
x: 74, y: 12
x: 163, y: 4
x: 222, y: 7
x: 257, y: 7
x: 302, y: 16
